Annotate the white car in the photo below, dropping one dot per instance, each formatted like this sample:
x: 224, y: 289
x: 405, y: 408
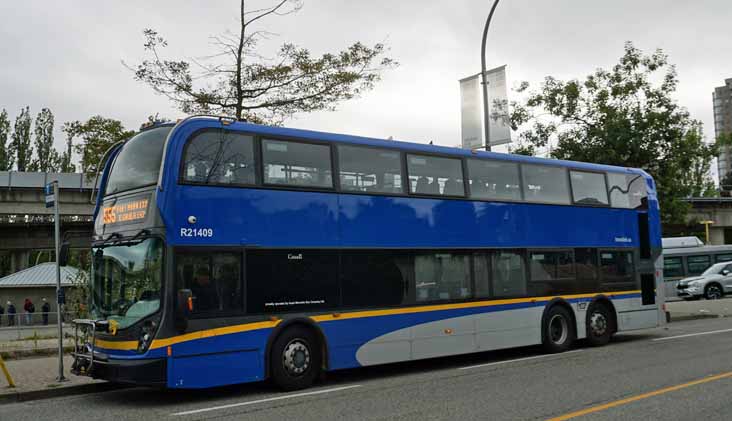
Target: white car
x: 712, y: 284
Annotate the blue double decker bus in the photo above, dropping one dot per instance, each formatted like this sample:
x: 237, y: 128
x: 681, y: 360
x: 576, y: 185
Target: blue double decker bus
x: 227, y: 252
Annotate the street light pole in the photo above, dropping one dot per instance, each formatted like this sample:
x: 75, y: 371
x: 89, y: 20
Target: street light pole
x: 486, y: 116
x: 59, y: 322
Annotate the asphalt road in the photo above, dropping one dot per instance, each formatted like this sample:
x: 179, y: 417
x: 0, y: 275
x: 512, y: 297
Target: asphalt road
x: 671, y: 373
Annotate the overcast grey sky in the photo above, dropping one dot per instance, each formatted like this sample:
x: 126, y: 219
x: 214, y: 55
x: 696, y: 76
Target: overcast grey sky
x: 66, y: 55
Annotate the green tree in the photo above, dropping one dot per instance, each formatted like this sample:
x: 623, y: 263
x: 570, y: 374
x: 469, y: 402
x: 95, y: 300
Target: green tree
x: 64, y: 163
x: 6, y: 158
x: 237, y: 81
x: 20, y: 145
x: 47, y: 159
x: 97, y: 135
x: 623, y: 116
x: 697, y: 180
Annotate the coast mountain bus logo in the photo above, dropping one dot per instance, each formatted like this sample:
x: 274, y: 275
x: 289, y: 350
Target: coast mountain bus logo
x: 125, y: 211
x: 623, y: 240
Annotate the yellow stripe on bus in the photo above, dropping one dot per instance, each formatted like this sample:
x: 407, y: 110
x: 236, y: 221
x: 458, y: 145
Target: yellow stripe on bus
x: 219, y: 331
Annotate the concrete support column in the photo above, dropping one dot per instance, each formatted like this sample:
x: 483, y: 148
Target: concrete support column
x: 19, y: 260
x: 716, y: 235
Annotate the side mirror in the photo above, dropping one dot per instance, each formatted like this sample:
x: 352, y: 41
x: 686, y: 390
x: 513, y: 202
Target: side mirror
x: 183, y: 308
x: 63, y: 254
x: 725, y: 272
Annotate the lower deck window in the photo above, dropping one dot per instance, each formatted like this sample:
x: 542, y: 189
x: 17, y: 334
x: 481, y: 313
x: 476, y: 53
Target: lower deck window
x: 442, y: 276
x: 552, y: 265
x: 509, y: 274
x: 214, y: 279
x: 374, y: 279
x: 291, y: 280
x: 617, y: 266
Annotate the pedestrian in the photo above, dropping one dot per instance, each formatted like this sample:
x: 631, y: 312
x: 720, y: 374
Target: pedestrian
x: 11, y: 314
x: 29, y: 310
x: 45, y: 308
x: 2, y: 312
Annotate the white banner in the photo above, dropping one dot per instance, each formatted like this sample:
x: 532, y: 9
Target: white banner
x: 471, y: 109
x: 471, y: 112
x: 500, y: 129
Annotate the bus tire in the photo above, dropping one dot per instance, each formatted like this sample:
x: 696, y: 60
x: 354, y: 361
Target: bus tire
x: 557, y: 330
x: 600, y: 324
x: 295, y: 361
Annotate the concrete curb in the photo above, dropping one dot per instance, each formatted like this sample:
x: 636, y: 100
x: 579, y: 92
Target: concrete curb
x: 54, y: 392
x: 682, y: 317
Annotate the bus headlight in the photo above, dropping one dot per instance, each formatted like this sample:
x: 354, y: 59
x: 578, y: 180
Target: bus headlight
x: 146, y: 335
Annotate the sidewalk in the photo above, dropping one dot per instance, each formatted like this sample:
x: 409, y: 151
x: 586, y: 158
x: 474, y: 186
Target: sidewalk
x: 681, y: 310
x: 35, y: 378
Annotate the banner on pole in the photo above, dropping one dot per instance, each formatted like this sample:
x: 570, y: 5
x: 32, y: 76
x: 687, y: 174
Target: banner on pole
x: 471, y: 112
x: 500, y: 129
x: 471, y: 109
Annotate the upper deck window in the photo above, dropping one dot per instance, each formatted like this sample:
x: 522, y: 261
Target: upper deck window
x: 435, y: 176
x: 370, y: 170
x: 296, y: 164
x: 628, y: 191
x: 138, y: 163
x: 545, y: 184
x: 494, y: 180
x: 588, y: 188
x: 219, y: 157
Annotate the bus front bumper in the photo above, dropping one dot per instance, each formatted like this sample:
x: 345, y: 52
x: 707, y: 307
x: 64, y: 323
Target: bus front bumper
x: 149, y: 372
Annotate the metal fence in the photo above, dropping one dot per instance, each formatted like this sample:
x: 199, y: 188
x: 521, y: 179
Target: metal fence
x: 27, y: 325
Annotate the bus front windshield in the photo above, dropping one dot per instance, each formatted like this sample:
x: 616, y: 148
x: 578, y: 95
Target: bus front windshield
x: 127, y: 281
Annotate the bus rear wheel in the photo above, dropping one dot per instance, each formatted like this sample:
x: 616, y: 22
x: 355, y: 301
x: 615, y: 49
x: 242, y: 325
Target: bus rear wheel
x: 600, y: 325
x: 295, y: 360
x: 557, y: 330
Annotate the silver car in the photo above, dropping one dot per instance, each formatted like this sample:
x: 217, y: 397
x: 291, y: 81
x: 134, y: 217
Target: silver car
x: 712, y: 284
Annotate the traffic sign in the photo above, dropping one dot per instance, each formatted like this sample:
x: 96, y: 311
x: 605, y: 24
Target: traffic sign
x: 50, y: 197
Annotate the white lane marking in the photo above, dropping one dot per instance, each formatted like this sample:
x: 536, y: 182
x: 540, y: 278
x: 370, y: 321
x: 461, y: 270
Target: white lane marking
x: 276, y: 398
x: 692, y: 334
x: 518, y: 359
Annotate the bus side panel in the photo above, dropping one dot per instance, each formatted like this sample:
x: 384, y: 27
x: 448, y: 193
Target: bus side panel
x: 632, y: 315
x: 218, y: 360
x: 211, y: 370
x: 433, y: 223
x: 253, y: 217
x: 403, y: 337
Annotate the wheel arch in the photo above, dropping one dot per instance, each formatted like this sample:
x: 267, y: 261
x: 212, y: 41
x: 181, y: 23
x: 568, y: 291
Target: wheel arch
x: 305, y: 322
x: 551, y: 304
x: 717, y: 283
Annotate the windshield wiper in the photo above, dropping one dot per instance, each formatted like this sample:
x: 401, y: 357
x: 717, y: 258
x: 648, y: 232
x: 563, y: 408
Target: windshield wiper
x: 113, y: 235
x: 141, y: 232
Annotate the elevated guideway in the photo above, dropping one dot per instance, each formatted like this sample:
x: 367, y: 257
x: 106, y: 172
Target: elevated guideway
x: 25, y: 222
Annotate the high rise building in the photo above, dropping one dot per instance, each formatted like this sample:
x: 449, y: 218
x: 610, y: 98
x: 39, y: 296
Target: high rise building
x: 722, y: 99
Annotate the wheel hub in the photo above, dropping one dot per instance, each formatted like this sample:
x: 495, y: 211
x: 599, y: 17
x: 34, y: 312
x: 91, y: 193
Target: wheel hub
x: 714, y: 292
x: 598, y: 324
x: 558, y: 329
x: 296, y: 357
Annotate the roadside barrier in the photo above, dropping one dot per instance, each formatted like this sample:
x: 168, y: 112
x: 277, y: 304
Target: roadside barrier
x: 8, y: 377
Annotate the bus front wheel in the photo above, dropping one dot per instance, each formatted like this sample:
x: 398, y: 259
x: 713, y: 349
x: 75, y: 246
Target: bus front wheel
x: 558, y: 333
x: 295, y: 360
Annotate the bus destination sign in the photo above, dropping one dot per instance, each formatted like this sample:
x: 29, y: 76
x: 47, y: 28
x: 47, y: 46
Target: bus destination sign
x: 125, y: 211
